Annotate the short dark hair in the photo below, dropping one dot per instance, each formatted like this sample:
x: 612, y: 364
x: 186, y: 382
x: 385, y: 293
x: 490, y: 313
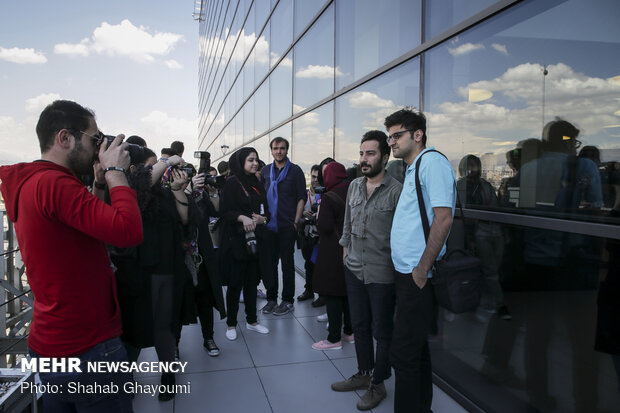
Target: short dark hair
x: 315, y: 167
x: 178, y: 147
x: 278, y: 139
x: 61, y: 114
x: 168, y: 152
x: 381, y: 137
x: 411, y: 119
x: 211, y: 168
x: 136, y: 140
x: 222, y: 167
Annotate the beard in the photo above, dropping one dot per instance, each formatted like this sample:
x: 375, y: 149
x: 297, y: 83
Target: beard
x: 78, y: 162
x: 373, y: 171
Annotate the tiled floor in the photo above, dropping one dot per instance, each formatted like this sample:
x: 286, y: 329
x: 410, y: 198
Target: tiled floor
x: 278, y: 372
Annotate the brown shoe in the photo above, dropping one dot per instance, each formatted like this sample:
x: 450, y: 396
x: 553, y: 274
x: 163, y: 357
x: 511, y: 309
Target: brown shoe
x: 372, y: 397
x: 355, y: 382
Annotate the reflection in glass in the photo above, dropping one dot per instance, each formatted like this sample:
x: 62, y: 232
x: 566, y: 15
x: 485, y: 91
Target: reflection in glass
x: 313, y: 137
x: 261, y: 108
x: 262, y: 147
x: 305, y: 10
x: 366, y: 107
x: 371, y: 33
x: 522, y: 93
x: 261, y: 56
x: 281, y: 30
x: 281, y: 91
x: 314, y: 66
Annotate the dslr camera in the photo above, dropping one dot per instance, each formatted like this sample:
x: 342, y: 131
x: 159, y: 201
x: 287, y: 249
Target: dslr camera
x: 205, y: 163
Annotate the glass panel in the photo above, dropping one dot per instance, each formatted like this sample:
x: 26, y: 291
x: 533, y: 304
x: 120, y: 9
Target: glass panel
x: 262, y: 13
x: 262, y: 147
x: 248, y: 119
x: 370, y: 33
x: 313, y: 137
x: 281, y: 91
x: 305, y: 10
x: 440, y: 16
x: 261, y: 56
x: 366, y: 107
x: 314, y: 66
x: 540, y: 337
x: 261, y: 108
x: 281, y: 30
x: 535, y: 105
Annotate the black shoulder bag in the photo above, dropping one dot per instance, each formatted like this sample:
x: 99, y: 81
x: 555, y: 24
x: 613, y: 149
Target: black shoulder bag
x: 457, y: 276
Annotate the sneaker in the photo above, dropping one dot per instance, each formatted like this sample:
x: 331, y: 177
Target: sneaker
x: 355, y: 382
x: 326, y: 345
x: 284, y: 308
x: 231, y: 334
x: 503, y: 313
x: 372, y: 397
x: 241, y: 297
x: 212, y: 349
x: 306, y: 295
x: 348, y: 338
x: 319, y: 302
x: 258, y: 328
x: 269, y: 307
x: 322, y: 318
x: 260, y: 294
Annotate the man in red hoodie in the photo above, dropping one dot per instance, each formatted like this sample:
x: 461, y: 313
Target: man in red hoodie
x: 62, y: 230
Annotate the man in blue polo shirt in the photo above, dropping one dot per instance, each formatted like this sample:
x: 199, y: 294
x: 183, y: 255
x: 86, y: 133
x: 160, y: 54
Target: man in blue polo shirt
x: 413, y: 257
x: 286, y: 194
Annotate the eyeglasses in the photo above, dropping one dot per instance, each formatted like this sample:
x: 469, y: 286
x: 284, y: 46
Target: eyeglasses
x: 397, y: 135
x: 99, y: 137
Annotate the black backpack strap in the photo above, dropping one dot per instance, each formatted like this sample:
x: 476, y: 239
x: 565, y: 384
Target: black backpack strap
x: 418, y: 189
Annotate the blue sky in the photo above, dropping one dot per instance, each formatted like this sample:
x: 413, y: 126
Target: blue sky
x: 135, y: 63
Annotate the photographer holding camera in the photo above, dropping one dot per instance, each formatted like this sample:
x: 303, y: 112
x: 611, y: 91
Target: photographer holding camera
x: 243, y: 249
x: 308, y: 236
x: 62, y: 230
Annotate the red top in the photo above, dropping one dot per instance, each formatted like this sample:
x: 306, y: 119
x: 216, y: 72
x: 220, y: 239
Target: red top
x: 62, y: 230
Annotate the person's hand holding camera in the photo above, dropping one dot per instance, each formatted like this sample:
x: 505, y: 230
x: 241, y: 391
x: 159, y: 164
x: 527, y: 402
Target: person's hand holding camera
x: 198, y: 180
x: 248, y: 223
x: 114, y: 162
x: 179, y: 180
x: 259, y: 219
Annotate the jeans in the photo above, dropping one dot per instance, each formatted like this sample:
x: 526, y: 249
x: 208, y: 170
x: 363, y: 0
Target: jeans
x: 283, y: 248
x: 409, y: 352
x: 63, y: 401
x: 337, y: 309
x: 372, y: 315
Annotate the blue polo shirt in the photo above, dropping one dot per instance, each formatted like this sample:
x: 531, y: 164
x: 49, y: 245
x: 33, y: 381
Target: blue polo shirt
x: 407, y: 236
x: 290, y: 191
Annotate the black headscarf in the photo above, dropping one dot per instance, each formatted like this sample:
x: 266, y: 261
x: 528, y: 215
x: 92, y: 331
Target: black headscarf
x: 236, y: 163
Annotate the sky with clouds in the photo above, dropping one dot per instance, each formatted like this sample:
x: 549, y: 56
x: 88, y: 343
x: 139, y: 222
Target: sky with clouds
x: 134, y: 63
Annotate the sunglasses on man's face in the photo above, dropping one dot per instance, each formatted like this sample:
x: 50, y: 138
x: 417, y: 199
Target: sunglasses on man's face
x: 100, y: 137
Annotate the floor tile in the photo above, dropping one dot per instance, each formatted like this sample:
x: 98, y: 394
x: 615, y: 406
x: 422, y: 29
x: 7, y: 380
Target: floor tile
x: 145, y: 402
x: 227, y: 391
x: 287, y: 342
x: 305, y: 387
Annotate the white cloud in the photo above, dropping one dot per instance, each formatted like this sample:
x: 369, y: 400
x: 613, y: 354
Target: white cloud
x: 38, y: 103
x: 18, y: 141
x: 500, y: 48
x: 22, y: 56
x: 173, y: 64
x: 465, y: 48
x: 160, y: 129
x: 318, y: 72
x: 125, y: 40
x: 368, y: 100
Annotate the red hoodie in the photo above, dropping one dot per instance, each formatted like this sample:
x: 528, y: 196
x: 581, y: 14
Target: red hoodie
x: 62, y: 230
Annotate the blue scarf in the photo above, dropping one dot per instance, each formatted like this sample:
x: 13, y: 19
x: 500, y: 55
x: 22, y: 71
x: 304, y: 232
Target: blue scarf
x: 272, y: 193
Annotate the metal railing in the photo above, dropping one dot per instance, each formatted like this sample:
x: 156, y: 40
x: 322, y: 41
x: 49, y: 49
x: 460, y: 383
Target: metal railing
x: 16, y: 300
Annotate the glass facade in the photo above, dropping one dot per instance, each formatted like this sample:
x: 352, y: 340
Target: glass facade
x: 524, y: 99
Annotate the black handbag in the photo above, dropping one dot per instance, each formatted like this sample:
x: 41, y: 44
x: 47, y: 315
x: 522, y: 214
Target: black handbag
x: 457, y: 276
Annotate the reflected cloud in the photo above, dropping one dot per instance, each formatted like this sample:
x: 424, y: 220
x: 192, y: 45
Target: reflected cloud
x: 465, y: 48
x: 368, y: 100
x: 318, y: 72
x: 500, y: 48
x: 479, y: 95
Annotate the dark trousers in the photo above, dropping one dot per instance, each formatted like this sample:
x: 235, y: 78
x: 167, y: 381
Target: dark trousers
x: 337, y: 309
x: 409, y: 352
x: 372, y: 315
x: 233, y: 293
x: 111, y: 350
x: 308, y: 265
x: 282, y: 248
x: 203, y: 294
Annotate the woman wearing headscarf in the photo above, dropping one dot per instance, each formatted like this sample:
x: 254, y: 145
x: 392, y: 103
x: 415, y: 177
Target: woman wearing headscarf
x: 328, y: 276
x: 244, y: 211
